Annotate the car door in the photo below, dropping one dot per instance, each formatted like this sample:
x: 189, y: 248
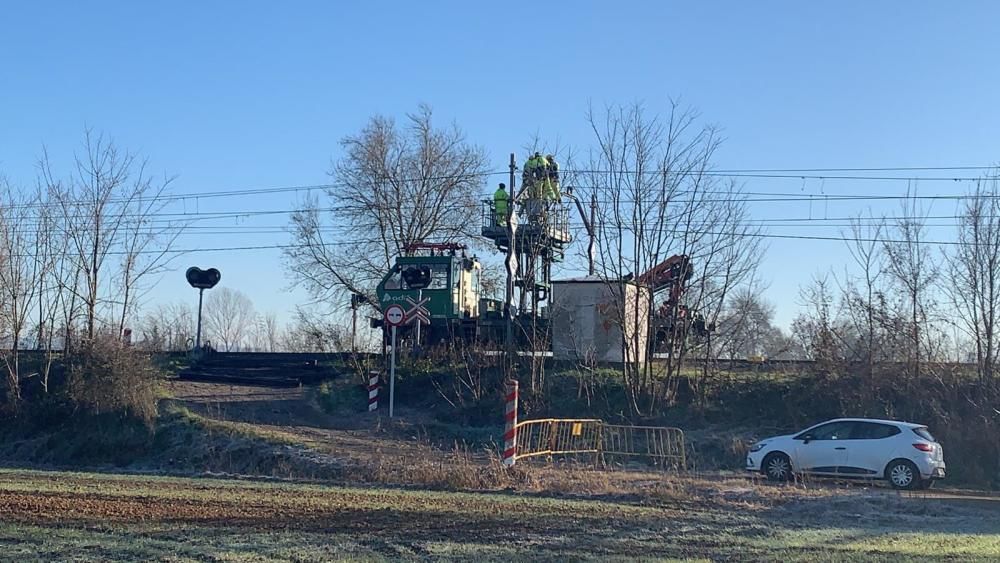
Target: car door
x: 822, y: 449
x: 870, y: 448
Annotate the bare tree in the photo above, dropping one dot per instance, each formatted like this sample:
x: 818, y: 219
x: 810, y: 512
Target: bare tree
x: 973, y: 274
x: 106, y: 211
x: 816, y: 327
x: 49, y: 256
x: 307, y: 333
x: 914, y: 271
x: 25, y: 262
x: 266, y: 333
x: 745, y: 329
x: 862, y: 294
x: 168, y: 328
x: 394, y: 186
x: 17, y: 278
x: 144, y: 246
x: 658, y: 198
x: 229, y: 317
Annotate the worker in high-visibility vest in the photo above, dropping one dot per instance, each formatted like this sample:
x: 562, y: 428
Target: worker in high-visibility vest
x: 501, y: 202
x: 534, y: 174
x: 534, y: 177
x: 552, y: 192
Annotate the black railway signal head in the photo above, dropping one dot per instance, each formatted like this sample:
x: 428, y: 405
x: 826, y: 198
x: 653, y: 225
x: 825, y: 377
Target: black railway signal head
x: 203, y: 279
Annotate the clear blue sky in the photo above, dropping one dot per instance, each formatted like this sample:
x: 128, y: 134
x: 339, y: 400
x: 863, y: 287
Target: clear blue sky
x: 231, y: 95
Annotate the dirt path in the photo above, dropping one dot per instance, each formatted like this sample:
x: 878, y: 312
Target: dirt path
x: 286, y: 408
x: 358, y: 437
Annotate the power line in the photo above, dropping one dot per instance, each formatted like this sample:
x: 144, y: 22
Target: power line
x: 871, y: 169
x: 772, y: 173
x: 185, y: 220
x: 355, y: 243
x: 792, y: 174
x: 166, y: 197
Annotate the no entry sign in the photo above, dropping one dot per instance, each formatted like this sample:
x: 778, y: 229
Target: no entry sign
x: 394, y: 315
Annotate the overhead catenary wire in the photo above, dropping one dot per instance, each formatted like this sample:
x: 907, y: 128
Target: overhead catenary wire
x: 735, y: 234
x: 187, y: 220
x: 183, y: 219
x: 166, y: 197
x: 772, y: 173
x: 735, y: 198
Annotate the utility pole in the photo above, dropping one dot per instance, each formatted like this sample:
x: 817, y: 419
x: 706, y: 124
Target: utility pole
x: 416, y: 345
x: 511, y: 266
x: 592, y: 247
x: 587, y: 224
x: 354, y: 323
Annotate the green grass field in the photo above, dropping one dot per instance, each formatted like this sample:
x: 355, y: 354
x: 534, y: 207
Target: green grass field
x: 53, y: 516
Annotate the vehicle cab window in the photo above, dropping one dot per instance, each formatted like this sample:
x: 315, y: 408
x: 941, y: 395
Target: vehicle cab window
x: 873, y: 431
x: 393, y: 281
x: 829, y: 431
x: 439, y: 274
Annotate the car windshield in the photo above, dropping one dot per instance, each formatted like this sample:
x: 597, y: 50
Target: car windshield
x: 924, y: 433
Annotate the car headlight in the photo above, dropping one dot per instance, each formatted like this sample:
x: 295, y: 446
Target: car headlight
x: 758, y: 446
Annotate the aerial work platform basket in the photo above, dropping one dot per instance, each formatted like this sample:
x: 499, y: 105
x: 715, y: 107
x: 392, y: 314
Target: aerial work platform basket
x: 539, y: 223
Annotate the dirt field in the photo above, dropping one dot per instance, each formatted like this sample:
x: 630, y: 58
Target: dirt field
x: 87, y: 517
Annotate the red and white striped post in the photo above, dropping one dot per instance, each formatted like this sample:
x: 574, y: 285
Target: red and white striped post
x: 372, y: 391
x: 510, y: 425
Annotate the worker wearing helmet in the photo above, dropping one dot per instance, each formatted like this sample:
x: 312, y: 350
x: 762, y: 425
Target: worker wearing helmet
x: 530, y: 176
x: 500, y: 205
x: 535, y: 173
x: 541, y: 176
x: 552, y: 179
x: 534, y: 177
x: 541, y: 168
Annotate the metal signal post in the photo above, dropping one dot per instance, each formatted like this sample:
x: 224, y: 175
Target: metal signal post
x: 394, y: 316
x: 197, y: 338
x: 201, y: 280
x: 392, y: 373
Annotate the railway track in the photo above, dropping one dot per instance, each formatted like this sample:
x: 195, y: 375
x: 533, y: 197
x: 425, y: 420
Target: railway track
x: 267, y: 369
x: 291, y: 369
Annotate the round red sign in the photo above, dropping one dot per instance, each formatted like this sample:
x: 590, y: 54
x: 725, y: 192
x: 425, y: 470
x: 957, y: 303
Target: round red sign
x: 394, y: 315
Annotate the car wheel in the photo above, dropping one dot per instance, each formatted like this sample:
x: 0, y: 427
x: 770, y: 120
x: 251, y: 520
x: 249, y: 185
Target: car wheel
x: 777, y: 467
x: 902, y: 474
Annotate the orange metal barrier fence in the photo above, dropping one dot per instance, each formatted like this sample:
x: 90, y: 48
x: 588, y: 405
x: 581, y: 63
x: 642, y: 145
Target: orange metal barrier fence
x: 662, y: 446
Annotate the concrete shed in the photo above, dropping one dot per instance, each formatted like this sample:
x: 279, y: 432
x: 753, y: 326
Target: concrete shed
x: 587, y: 315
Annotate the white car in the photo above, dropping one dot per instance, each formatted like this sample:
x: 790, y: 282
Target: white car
x: 902, y: 453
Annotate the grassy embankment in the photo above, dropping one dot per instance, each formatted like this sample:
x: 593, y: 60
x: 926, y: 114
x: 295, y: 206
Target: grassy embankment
x: 722, y: 414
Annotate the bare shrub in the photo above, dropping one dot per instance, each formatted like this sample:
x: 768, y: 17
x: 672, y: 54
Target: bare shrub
x: 106, y: 377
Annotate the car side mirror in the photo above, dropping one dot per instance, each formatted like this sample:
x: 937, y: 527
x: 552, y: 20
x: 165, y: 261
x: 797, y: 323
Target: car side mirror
x: 807, y: 438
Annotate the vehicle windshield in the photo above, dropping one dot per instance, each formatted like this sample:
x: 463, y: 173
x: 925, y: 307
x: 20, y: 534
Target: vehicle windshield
x: 439, y: 276
x: 924, y: 433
